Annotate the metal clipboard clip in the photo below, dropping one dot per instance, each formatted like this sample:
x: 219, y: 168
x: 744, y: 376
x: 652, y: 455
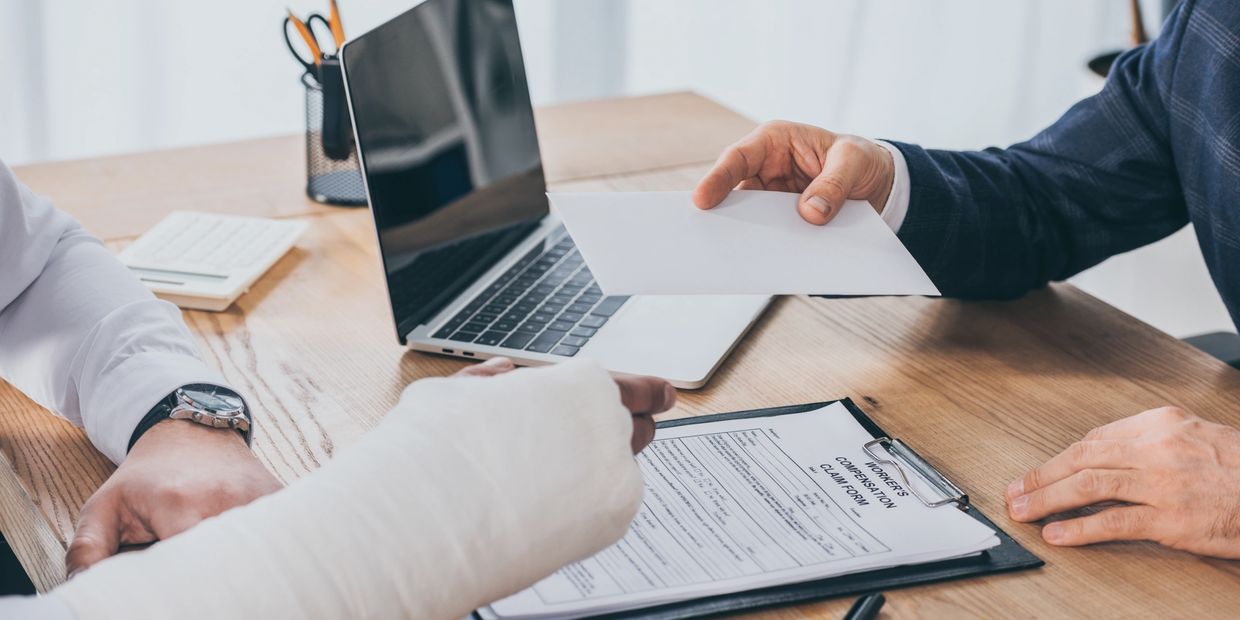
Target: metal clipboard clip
x: 905, y: 460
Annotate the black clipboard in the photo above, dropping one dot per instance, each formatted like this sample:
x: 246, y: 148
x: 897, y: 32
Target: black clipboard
x: 1008, y: 556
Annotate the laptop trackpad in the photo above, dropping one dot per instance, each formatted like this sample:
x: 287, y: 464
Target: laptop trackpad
x: 680, y: 338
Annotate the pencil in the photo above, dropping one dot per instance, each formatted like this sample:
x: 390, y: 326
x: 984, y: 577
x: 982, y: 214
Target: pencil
x: 337, y: 25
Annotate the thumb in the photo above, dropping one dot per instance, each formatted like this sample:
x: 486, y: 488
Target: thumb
x: 825, y: 196
x: 96, y: 538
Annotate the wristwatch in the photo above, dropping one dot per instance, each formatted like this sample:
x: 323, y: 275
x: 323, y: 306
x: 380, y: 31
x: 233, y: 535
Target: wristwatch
x: 201, y: 403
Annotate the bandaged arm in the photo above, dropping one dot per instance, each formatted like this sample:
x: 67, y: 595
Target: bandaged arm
x: 471, y: 489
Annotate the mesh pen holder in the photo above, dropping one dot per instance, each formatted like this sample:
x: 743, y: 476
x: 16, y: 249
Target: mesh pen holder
x: 333, y: 175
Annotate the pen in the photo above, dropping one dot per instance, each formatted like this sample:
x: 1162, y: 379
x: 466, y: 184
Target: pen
x: 866, y: 607
x: 307, y: 35
x: 336, y: 25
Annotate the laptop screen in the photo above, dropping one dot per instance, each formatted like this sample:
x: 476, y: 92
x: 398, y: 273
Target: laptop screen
x: 446, y: 132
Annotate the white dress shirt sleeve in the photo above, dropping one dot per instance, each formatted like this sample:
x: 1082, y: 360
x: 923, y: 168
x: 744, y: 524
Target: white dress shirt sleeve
x: 79, y: 334
x: 897, y: 202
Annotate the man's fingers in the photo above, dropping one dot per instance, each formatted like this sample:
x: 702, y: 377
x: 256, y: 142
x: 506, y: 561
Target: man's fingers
x: 826, y: 194
x: 1083, y: 488
x: 96, y: 538
x: 738, y: 162
x: 490, y: 368
x: 1101, y: 454
x: 643, y: 432
x: 645, y: 395
x: 1119, y: 523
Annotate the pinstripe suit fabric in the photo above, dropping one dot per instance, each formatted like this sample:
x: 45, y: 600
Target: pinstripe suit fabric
x: 1157, y: 148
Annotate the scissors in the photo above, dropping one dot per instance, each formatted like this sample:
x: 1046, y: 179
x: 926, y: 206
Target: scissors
x: 305, y: 29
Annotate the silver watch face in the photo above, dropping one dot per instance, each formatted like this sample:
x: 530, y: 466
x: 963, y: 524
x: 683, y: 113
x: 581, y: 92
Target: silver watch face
x: 213, y: 400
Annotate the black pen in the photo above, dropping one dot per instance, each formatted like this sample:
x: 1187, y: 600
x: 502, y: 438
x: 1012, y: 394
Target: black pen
x: 866, y: 607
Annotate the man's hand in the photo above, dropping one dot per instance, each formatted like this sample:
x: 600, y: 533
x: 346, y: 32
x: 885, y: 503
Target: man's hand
x: 1177, y: 476
x: 644, y: 397
x: 177, y: 474
x: 826, y: 168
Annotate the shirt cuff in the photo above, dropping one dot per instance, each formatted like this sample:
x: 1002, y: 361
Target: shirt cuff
x: 897, y: 202
x: 140, y: 382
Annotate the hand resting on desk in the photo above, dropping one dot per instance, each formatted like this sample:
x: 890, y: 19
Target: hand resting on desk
x: 1177, y: 475
x: 177, y: 474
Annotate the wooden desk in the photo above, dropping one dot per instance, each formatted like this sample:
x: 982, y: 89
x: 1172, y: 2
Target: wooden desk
x: 985, y: 390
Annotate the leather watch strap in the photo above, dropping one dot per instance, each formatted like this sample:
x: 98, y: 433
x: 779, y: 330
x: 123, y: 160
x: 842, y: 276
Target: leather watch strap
x: 157, y: 414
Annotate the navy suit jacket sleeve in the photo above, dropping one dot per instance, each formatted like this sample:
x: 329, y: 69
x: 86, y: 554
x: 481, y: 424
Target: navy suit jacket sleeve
x: 1100, y: 181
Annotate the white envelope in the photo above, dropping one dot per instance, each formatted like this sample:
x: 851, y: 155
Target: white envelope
x: 658, y: 243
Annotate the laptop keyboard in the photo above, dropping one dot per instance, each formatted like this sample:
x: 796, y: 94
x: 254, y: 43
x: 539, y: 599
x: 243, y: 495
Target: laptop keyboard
x: 547, y: 302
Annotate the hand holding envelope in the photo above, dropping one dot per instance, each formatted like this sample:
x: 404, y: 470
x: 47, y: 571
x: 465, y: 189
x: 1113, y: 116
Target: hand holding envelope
x: 754, y: 242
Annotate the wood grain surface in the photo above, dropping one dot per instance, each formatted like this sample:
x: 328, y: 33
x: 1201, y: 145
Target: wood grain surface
x: 983, y: 390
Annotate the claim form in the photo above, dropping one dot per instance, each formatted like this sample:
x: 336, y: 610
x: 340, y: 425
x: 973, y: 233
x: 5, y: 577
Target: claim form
x: 749, y: 503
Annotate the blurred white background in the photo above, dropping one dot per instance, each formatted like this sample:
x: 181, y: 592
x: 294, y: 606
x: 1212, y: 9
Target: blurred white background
x: 81, y: 79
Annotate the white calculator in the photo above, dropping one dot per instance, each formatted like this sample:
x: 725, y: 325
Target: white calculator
x: 204, y: 261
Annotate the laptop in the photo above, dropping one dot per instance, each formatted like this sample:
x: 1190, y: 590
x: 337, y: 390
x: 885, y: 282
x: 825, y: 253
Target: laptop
x: 476, y: 266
